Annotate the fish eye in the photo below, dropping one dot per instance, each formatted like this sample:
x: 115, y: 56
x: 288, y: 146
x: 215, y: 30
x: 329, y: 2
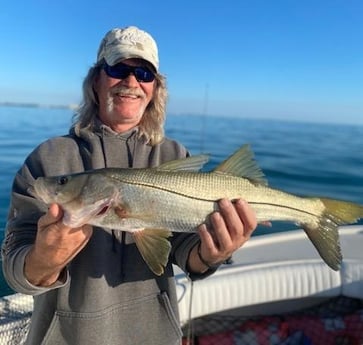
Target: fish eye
x: 62, y: 180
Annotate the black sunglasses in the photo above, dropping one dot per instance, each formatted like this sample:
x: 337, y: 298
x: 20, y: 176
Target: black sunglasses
x: 122, y: 71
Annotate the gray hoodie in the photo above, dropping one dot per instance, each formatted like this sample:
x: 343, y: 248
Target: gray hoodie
x: 110, y: 296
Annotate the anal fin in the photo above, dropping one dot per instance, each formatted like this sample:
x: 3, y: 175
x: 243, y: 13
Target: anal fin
x: 325, y: 238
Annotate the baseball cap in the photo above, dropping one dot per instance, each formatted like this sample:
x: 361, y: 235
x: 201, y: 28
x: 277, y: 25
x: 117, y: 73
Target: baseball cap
x: 125, y: 43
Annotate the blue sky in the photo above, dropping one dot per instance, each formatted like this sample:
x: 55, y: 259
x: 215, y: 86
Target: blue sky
x: 299, y: 60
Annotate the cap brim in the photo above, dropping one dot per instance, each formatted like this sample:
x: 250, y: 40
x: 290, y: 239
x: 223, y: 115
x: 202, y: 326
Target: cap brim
x: 115, y: 56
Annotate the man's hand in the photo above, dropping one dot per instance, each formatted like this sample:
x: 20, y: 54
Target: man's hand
x: 232, y: 226
x: 55, y: 246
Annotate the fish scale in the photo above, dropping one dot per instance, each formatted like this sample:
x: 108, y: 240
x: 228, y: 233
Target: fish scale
x: 268, y: 202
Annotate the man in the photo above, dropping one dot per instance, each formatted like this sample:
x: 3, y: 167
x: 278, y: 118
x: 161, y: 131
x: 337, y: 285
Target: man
x: 91, y: 285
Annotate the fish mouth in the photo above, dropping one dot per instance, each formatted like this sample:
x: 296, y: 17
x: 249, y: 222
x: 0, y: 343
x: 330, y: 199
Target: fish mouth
x: 39, y: 192
x: 31, y: 191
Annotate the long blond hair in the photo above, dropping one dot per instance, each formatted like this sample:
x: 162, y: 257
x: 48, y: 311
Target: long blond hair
x: 151, y: 126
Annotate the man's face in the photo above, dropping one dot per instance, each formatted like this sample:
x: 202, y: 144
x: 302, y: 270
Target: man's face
x: 122, y: 102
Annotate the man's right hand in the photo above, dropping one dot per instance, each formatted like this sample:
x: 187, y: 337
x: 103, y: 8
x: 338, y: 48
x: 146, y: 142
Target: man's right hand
x: 55, y: 246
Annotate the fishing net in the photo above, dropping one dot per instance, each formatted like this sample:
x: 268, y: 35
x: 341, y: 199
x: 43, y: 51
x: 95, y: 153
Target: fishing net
x: 15, y: 318
x: 337, y: 322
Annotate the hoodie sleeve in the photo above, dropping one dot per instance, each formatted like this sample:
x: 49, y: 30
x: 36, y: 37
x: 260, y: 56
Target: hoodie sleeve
x: 182, y: 244
x: 20, y: 234
x: 25, y: 210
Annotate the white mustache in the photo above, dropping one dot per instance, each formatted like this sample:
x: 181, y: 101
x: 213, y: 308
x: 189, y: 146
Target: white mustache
x: 127, y: 91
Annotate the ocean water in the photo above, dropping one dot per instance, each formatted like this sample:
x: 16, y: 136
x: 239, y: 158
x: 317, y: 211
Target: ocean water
x: 301, y: 158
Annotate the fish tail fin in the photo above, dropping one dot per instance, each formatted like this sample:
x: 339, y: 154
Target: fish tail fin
x: 342, y: 212
x: 324, y: 234
x: 154, y: 247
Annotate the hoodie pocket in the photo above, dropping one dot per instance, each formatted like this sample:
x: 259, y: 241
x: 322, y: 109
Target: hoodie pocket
x: 149, y: 320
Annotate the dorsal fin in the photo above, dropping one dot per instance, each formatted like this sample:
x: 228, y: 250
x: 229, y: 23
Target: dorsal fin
x: 242, y: 164
x: 193, y: 163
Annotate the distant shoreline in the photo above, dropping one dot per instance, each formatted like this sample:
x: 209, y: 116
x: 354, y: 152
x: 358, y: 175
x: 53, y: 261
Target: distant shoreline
x: 37, y: 105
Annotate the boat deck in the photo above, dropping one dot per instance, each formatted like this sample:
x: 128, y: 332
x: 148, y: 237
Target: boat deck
x: 272, y: 275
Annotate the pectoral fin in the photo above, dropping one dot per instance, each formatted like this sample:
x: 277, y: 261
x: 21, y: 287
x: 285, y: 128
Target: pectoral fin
x: 154, y: 247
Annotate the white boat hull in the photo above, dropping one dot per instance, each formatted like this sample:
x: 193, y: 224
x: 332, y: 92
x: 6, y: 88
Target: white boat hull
x: 275, y: 273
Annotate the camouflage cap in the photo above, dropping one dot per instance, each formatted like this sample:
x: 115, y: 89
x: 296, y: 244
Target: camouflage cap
x: 130, y: 42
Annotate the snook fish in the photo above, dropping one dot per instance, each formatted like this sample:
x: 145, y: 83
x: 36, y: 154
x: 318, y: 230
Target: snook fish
x: 175, y: 197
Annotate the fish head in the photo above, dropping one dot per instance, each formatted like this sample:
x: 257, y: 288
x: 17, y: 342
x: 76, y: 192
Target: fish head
x: 59, y: 189
x: 84, y: 197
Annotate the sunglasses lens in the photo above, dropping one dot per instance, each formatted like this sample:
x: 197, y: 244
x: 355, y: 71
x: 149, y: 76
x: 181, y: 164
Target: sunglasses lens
x: 122, y: 71
x: 144, y: 74
x: 117, y: 71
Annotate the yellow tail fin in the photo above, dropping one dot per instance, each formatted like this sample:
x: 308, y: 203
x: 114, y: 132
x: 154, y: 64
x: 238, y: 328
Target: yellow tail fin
x: 342, y: 212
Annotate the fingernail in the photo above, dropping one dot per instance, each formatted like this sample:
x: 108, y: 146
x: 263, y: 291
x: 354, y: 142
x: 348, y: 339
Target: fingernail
x: 240, y: 202
x: 224, y: 202
x: 215, y: 216
x: 202, y: 227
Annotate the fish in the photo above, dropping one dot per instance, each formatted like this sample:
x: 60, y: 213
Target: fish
x: 178, y: 196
